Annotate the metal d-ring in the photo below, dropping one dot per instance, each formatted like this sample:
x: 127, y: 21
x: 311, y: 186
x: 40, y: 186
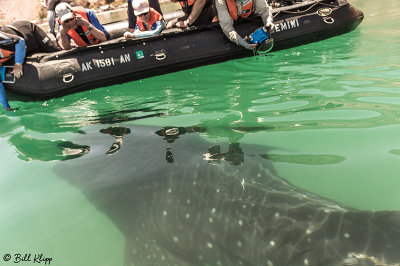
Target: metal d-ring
x: 67, y: 78
x: 160, y: 56
x: 329, y: 20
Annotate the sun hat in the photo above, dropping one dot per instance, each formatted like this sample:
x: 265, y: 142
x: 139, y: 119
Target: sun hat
x: 64, y: 11
x: 140, y: 6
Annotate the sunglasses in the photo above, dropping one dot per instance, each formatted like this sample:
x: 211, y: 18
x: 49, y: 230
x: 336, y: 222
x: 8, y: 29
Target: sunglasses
x: 68, y: 20
x: 143, y: 14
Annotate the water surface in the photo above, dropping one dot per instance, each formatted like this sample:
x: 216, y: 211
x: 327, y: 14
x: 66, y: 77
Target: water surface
x: 323, y: 116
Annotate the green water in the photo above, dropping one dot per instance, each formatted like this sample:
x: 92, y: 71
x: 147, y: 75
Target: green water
x: 328, y: 113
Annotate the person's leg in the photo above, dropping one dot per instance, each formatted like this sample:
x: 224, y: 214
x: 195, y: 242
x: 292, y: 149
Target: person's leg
x: 131, y: 17
x: 156, y: 5
x: 51, y: 19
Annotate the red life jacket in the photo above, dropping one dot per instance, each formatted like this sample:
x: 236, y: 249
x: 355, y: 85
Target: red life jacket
x: 246, y: 10
x: 154, y: 17
x: 74, y: 34
x: 186, y: 3
x: 5, y: 55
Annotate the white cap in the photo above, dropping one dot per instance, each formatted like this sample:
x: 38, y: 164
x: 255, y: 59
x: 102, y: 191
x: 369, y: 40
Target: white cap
x: 140, y: 6
x: 64, y: 11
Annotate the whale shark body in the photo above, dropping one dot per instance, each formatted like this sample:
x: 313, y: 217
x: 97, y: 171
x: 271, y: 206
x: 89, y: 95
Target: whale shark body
x: 187, y: 201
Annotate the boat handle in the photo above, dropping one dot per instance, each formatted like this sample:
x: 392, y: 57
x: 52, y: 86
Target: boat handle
x: 328, y: 20
x: 67, y: 78
x: 160, y: 56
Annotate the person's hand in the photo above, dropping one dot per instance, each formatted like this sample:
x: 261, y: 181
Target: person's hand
x: 80, y: 21
x: 17, y: 70
x: 270, y: 25
x: 249, y: 46
x: 244, y: 43
x: 180, y: 24
x: 129, y: 35
x: 172, y: 23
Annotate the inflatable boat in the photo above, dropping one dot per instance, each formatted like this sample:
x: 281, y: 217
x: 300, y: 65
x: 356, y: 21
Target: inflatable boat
x: 120, y: 60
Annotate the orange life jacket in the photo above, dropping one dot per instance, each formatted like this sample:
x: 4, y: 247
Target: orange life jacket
x: 246, y: 10
x: 186, y: 3
x: 154, y: 17
x: 75, y: 35
x: 5, y: 55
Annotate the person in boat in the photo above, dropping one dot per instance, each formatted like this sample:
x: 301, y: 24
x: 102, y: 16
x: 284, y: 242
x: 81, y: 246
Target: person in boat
x: 197, y: 12
x: 79, y: 24
x: 37, y: 41
x: 17, y: 40
x: 230, y: 11
x: 131, y: 14
x: 51, y: 13
x: 11, y: 46
x: 149, y: 22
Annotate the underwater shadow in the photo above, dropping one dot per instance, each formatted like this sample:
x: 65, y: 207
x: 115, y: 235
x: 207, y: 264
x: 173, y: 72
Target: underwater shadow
x: 219, y: 204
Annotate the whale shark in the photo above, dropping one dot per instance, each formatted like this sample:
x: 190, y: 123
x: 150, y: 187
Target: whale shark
x: 182, y: 199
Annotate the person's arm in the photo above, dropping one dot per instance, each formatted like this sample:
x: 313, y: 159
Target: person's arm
x: 65, y: 40
x: 226, y: 23
x: 3, y: 98
x: 193, y: 16
x: 262, y: 9
x: 196, y: 11
x: 98, y: 31
x: 17, y: 44
x: 20, y: 53
x: 157, y: 28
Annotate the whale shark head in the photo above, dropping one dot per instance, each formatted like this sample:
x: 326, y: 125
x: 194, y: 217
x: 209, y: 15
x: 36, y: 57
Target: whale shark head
x: 181, y: 200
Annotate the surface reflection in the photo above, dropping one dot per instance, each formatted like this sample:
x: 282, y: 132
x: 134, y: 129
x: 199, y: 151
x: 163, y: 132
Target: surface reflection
x: 234, y: 155
x: 117, y: 133
x: 30, y: 148
x: 170, y: 134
